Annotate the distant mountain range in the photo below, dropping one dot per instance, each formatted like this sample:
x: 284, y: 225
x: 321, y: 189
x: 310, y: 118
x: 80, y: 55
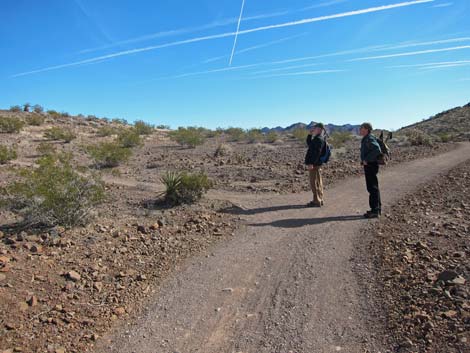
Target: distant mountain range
x: 330, y: 128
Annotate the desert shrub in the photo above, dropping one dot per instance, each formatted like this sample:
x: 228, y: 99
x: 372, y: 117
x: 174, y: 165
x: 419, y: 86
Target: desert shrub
x: 53, y: 113
x: 129, y: 138
x: 222, y: 150
x: 235, y: 134
x: 60, y: 134
x: 339, y: 138
x: 254, y: 135
x: 163, y: 127
x: 185, y: 187
x: 45, y: 149
x: 107, y: 130
x: 38, y: 109
x: 212, y: 133
x: 271, y: 137
x: 300, y: 134
x: 65, y: 115
x: 444, y: 137
x: 35, y: 120
x: 119, y: 121
x: 190, y: 137
x: 109, y: 154
x: 7, y: 154
x: 26, y: 107
x: 143, y: 128
x: 53, y: 193
x: 10, y: 125
x: 418, y: 138
x: 15, y: 108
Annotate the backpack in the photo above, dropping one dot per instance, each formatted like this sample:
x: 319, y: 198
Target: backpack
x: 325, y: 153
x: 386, y: 155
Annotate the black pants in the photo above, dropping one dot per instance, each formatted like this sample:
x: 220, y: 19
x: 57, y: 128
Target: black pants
x: 372, y: 182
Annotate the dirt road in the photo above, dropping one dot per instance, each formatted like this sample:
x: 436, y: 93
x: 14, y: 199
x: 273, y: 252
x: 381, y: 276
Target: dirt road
x: 284, y: 284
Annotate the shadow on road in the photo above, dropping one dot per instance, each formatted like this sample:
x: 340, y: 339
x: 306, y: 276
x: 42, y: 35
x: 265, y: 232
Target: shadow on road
x: 301, y: 222
x: 236, y: 210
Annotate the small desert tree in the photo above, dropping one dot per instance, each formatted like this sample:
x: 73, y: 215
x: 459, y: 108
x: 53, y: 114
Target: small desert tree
x: 38, y: 109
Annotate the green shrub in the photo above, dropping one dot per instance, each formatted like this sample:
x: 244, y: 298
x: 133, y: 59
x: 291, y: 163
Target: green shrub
x: 46, y: 149
x: 38, y: 109
x: 184, y: 187
x: 107, y: 130
x: 190, y: 137
x: 271, y: 137
x: 143, y: 128
x: 60, y: 134
x: 53, y: 113
x: 300, y: 134
x: 119, y: 121
x: 445, y: 137
x: 10, y: 125
x: 15, y: 108
x: 53, y: 193
x: 339, y: 138
x: 254, y: 135
x: 418, y: 138
x: 129, y: 138
x: 163, y: 127
x: 35, y: 120
x: 7, y: 154
x: 235, y: 134
x: 109, y: 154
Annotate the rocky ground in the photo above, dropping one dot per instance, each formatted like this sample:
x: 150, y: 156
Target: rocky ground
x: 62, y: 289
x: 421, y: 250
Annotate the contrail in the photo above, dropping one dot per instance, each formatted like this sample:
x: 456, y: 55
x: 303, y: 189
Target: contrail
x: 303, y: 73
x: 422, y: 52
x: 224, y: 35
x: 236, y: 34
x: 285, y: 68
x: 259, y: 46
x: 430, y: 64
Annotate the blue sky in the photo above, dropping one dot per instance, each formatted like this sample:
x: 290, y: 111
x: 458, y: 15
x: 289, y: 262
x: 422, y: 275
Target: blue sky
x: 391, y: 62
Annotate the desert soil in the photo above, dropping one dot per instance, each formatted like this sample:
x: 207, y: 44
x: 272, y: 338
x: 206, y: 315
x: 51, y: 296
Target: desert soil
x: 285, y: 283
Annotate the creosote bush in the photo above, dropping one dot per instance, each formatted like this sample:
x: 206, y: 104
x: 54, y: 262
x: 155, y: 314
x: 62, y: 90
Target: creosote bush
x: 418, y: 138
x: 53, y: 193
x: 7, y: 154
x: 46, y: 149
x: 271, y: 137
x: 222, y: 150
x: 35, y: 120
x: 10, y: 125
x: 60, y: 134
x: 339, y: 138
x: 129, y: 138
x: 300, y: 134
x: 105, y: 131
x: 190, y: 137
x: 109, y: 154
x: 142, y: 128
x: 184, y: 187
x: 38, y: 109
x: 254, y: 135
x: 15, y: 108
x: 235, y: 134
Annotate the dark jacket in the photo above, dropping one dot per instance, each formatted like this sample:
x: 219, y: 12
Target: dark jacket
x: 370, y: 149
x: 315, y: 147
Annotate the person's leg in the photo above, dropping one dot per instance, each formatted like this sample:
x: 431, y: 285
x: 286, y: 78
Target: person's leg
x: 373, y: 188
x: 369, y: 182
x: 316, y: 190
x: 320, y: 186
x: 311, y: 178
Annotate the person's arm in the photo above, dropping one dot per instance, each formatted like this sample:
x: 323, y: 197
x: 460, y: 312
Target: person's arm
x: 309, y: 139
x: 317, y: 147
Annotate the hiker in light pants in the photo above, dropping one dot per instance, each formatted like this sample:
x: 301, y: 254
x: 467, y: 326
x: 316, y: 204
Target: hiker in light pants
x: 315, y: 142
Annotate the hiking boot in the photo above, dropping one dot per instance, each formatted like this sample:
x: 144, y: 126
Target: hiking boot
x: 313, y: 204
x: 372, y: 214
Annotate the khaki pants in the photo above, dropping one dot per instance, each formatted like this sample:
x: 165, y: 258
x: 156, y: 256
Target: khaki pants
x: 316, y: 183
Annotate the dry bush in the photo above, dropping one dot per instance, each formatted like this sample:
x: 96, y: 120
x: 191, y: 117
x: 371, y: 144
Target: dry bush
x: 271, y: 137
x: 7, y: 154
x: 53, y: 193
x: 254, y: 136
x: 129, y: 138
x: 300, y: 134
x: 46, y: 149
x: 35, y: 119
x: 109, y: 154
x: 10, y: 125
x: 190, y: 137
x: 143, y: 128
x: 60, y: 134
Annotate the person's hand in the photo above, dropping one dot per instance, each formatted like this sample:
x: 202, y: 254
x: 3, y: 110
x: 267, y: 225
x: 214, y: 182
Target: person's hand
x: 364, y: 162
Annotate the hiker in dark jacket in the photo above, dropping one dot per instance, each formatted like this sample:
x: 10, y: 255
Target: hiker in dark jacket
x: 316, y: 143
x: 370, y: 153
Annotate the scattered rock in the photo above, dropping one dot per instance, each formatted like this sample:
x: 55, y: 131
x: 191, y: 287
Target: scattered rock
x: 73, y: 276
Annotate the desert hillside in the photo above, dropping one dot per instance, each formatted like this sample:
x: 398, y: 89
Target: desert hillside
x: 452, y: 124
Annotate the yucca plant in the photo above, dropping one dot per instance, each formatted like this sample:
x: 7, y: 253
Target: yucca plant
x: 172, y: 182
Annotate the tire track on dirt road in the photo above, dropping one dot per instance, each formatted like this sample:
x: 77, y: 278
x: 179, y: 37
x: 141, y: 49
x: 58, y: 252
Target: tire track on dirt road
x: 284, y: 283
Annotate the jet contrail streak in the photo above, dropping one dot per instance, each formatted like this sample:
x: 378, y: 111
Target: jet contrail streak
x: 228, y: 34
x: 421, y: 52
x: 236, y: 34
x: 303, y: 73
x: 430, y: 64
